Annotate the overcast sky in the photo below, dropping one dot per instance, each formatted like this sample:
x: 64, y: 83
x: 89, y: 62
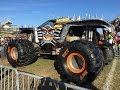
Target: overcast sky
x: 35, y: 12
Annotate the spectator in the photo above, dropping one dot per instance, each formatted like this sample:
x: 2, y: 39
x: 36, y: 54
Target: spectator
x: 109, y: 37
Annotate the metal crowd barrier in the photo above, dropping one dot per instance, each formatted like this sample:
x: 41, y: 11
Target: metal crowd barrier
x: 12, y: 79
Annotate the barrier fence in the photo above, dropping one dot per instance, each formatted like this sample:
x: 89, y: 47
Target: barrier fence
x: 11, y: 79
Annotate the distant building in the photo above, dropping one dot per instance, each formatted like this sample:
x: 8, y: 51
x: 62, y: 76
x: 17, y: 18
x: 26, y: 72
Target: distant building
x: 7, y: 27
x: 6, y: 24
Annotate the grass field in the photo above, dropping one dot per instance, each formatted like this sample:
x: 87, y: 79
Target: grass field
x: 45, y: 67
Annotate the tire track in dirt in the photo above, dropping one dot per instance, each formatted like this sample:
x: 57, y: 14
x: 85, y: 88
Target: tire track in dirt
x: 108, y: 82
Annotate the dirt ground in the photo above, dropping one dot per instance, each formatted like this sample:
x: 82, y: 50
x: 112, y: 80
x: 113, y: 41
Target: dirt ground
x: 45, y: 67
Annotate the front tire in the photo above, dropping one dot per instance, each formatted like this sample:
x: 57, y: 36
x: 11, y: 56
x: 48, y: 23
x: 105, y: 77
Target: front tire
x: 79, y: 62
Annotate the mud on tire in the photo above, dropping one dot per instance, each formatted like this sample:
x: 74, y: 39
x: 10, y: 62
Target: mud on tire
x: 20, y: 53
x: 79, y: 62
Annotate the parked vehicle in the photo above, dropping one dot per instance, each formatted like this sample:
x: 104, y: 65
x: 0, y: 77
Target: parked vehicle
x: 80, y: 47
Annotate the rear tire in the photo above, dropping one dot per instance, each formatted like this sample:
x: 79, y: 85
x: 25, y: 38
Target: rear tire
x: 79, y: 62
x: 20, y: 53
x: 108, y: 54
x: 112, y: 52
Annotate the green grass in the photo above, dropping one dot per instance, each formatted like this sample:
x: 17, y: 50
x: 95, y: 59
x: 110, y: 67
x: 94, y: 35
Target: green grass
x: 42, y: 67
x: 100, y: 80
x: 116, y: 78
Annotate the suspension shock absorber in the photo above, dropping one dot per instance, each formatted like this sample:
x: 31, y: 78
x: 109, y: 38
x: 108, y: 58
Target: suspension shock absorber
x: 36, y: 35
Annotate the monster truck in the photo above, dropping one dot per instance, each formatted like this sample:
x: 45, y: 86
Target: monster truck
x: 77, y: 44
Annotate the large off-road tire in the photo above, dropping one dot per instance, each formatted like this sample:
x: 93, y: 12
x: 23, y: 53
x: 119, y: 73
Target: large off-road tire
x: 20, y: 53
x: 79, y: 62
x: 112, y: 52
x: 108, y: 54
